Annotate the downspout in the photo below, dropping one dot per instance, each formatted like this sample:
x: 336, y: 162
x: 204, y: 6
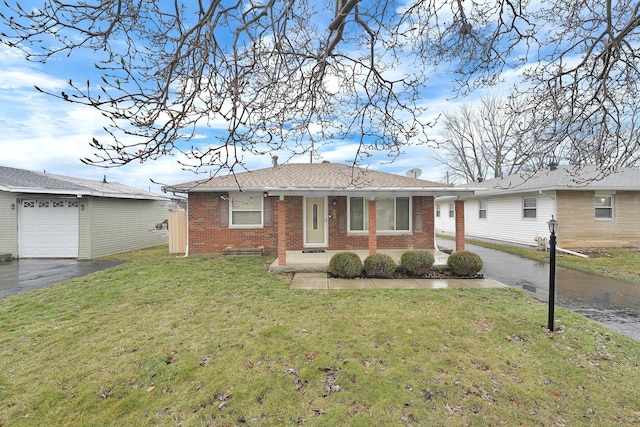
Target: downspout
x: 572, y: 252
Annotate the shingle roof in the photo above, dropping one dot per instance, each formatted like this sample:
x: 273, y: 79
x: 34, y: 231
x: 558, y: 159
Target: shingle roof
x: 562, y: 178
x: 23, y: 181
x: 305, y: 177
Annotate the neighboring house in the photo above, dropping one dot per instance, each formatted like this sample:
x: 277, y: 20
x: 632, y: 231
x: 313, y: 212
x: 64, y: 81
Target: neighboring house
x: 52, y: 216
x: 594, y: 209
x: 298, y: 207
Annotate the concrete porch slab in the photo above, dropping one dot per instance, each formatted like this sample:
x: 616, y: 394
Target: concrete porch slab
x: 308, y: 262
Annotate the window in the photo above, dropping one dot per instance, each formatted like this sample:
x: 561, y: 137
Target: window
x: 482, y: 208
x: 437, y: 210
x: 314, y: 216
x: 246, y: 210
x: 604, y: 206
x: 452, y: 209
x: 358, y: 214
x: 529, y: 207
x: 392, y: 214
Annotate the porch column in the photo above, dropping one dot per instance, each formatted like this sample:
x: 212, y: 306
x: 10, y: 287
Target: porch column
x: 428, y: 206
x: 282, y: 232
x: 459, y: 212
x: 373, y: 236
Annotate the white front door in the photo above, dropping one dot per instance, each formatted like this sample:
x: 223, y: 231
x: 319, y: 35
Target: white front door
x: 315, y: 222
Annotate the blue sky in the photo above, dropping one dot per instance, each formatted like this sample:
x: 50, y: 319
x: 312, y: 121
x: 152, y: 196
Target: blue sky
x: 42, y: 133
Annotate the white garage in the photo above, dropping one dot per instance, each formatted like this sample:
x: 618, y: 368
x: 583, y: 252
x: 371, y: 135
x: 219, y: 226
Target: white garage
x: 43, y: 215
x: 48, y: 228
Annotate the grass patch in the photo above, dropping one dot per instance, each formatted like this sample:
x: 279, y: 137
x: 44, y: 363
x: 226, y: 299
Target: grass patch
x: 165, y: 340
x: 620, y: 264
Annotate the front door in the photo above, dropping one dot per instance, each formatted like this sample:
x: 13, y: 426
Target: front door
x: 315, y: 223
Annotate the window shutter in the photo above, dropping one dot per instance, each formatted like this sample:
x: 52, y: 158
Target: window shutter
x: 268, y: 212
x: 223, y: 212
x: 342, y: 215
x: 418, y: 215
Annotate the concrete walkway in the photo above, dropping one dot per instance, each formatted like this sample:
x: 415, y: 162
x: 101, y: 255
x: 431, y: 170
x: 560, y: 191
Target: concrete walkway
x: 323, y: 282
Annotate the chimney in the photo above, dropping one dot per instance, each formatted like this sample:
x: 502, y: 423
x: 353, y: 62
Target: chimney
x: 104, y: 179
x: 274, y: 159
x: 553, y: 166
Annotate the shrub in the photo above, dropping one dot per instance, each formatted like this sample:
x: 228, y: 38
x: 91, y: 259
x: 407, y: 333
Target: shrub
x: 464, y: 263
x: 417, y: 263
x: 346, y: 265
x: 379, y: 265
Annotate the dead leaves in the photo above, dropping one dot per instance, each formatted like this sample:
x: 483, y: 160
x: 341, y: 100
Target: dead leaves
x: 219, y: 400
x: 483, y: 325
x: 515, y: 338
x: 329, y: 380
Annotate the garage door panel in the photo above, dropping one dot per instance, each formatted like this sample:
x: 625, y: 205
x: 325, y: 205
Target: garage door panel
x: 48, y: 228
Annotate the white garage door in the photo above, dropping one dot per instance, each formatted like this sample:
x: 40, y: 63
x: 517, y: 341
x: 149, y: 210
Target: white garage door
x: 48, y: 228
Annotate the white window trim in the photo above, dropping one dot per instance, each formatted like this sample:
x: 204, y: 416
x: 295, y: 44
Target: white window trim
x: 486, y: 209
x: 379, y: 232
x: 612, y: 207
x: 452, y: 210
x: 231, y: 210
x: 438, y: 212
x: 523, y: 209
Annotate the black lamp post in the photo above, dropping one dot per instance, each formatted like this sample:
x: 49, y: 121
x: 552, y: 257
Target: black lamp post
x: 553, y: 229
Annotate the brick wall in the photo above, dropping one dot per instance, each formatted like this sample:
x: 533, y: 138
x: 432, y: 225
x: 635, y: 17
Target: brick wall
x: 579, y: 227
x: 206, y: 236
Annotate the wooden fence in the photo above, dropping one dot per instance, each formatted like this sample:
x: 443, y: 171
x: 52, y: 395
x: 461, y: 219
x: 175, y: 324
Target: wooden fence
x: 177, y: 232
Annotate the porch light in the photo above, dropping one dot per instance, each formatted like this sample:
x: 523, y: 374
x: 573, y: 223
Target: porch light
x: 334, y: 202
x: 13, y: 206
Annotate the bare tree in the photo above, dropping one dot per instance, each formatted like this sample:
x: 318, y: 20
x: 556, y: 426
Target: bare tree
x: 295, y: 74
x: 485, y: 140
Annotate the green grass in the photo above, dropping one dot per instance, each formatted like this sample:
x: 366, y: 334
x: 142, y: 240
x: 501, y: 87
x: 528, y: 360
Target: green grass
x: 165, y: 340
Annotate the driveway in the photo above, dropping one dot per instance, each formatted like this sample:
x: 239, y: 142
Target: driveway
x: 28, y: 274
x: 610, y: 302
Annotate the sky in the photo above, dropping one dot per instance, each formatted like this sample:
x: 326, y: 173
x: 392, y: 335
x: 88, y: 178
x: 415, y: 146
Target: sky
x: 42, y: 133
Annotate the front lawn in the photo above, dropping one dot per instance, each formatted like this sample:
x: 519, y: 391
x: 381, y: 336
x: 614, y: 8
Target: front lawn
x: 166, y: 340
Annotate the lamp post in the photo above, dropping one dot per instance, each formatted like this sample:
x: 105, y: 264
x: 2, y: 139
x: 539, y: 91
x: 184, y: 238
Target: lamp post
x: 553, y: 229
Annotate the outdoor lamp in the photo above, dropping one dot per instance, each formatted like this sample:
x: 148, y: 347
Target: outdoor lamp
x: 553, y: 228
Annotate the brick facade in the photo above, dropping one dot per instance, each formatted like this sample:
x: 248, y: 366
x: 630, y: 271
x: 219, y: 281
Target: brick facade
x: 208, y: 236
x: 459, y: 214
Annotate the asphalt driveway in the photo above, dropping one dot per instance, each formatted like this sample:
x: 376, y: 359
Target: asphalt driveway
x: 28, y: 274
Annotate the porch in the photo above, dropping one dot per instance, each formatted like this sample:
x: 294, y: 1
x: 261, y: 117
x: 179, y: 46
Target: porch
x: 318, y: 262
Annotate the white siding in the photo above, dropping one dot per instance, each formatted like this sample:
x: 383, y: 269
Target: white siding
x: 121, y: 225
x: 504, y: 220
x: 8, y: 224
x: 443, y: 223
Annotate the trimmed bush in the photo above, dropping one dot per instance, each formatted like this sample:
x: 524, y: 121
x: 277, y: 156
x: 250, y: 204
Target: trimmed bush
x: 379, y: 265
x: 417, y: 263
x: 346, y: 265
x: 464, y: 263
